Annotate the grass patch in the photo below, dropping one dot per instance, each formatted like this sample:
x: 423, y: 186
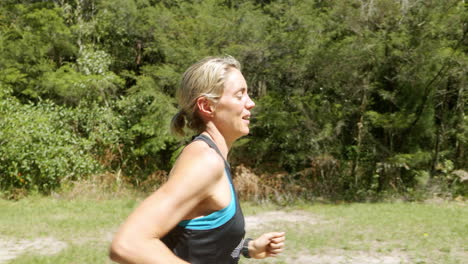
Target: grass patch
x: 41, y: 216
x: 86, y: 226
x: 416, y: 232
x: 76, y: 254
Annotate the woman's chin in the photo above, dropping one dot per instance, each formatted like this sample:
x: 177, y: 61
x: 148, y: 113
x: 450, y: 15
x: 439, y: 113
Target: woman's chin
x: 245, y: 132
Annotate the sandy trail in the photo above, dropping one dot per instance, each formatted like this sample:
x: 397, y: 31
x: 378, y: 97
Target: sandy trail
x: 334, y: 256
x: 11, y: 248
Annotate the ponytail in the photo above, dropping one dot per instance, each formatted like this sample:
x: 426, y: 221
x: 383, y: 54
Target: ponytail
x: 178, y: 123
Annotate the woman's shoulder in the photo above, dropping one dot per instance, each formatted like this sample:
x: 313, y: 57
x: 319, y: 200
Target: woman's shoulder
x: 199, y: 156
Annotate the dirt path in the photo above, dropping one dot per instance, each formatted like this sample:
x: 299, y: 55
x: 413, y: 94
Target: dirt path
x: 264, y: 219
x: 11, y: 248
x: 334, y: 256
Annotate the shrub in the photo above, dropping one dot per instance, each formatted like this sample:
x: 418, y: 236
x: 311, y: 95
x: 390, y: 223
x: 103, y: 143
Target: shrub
x: 38, y: 148
x: 146, y: 141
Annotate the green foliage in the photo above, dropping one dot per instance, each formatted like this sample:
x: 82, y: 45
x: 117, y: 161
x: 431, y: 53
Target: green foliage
x: 449, y: 180
x: 103, y: 128
x: 38, y: 148
x: 355, y: 97
x: 146, y: 113
x: 35, y: 41
x: 301, y: 127
x: 69, y: 86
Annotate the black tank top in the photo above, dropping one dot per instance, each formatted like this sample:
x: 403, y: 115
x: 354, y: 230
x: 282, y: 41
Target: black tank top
x: 213, y: 239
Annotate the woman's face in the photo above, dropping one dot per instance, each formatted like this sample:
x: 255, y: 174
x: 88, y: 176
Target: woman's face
x: 232, y: 112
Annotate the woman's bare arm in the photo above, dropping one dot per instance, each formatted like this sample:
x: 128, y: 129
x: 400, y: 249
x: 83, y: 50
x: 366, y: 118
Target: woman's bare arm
x: 192, y: 179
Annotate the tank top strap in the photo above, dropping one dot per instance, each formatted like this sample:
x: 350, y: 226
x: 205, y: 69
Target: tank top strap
x: 210, y: 143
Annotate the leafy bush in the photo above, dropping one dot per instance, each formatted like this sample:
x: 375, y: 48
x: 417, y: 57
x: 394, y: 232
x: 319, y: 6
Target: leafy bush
x: 354, y: 97
x: 147, y: 143
x: 38, y: 148
x: 294, y: 131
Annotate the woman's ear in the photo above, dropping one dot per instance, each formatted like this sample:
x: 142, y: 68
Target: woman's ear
x: 205, y: 106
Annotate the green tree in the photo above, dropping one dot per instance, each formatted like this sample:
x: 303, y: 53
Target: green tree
x: 35, y: 40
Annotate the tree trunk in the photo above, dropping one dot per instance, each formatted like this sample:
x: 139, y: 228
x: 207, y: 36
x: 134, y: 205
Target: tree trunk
x: 359, y: 136
x: 461, y: 127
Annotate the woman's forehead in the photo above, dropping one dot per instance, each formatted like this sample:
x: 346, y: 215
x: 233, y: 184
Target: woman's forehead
x: 235, y: 80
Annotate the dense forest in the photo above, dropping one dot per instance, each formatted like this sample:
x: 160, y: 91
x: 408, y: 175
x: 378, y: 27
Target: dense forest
x: 355, y: 98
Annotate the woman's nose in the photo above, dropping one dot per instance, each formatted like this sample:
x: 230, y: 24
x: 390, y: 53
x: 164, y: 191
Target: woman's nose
x: 250, y: 103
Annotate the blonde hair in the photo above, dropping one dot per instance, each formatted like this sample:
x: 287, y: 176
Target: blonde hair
x: 204, y: 78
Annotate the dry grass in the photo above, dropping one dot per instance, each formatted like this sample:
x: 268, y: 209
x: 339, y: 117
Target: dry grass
x: 253, y: 187
x: 282, y: 187
x: 111, y: 185
x: 98, y: 187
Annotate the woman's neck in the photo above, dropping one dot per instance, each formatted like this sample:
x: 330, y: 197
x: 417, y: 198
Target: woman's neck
x: 221, y: 141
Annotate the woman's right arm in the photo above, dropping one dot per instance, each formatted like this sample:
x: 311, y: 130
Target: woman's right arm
x: 190, y: 183
x: 138, y: 239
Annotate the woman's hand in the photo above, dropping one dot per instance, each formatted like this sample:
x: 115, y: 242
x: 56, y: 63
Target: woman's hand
x: 267, y: 245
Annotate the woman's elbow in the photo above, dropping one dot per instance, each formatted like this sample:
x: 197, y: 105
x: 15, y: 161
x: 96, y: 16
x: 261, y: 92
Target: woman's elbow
x: 120, y: 250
